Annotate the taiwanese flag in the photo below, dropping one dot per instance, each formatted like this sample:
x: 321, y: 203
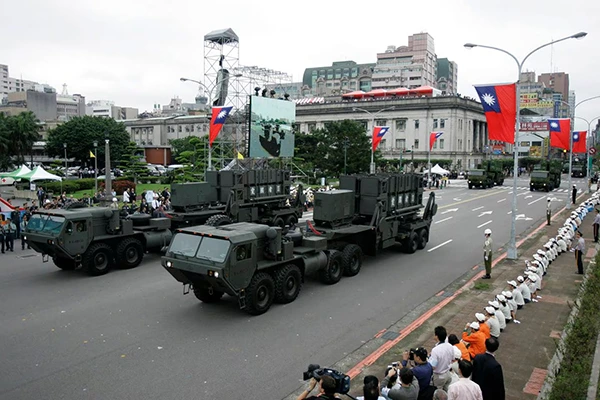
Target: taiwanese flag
x: 560, y: 128
x: 579, y: 145
x: 500, y: 108
x: 219, y: 115
x: 433, y: 136
x: 378, y: 133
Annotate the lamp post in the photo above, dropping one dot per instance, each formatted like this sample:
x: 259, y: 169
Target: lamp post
x: 346, y: 142
x: 95, y: 167
x: 587, y: 145
x: 512, y: 245
x: 373, y: 115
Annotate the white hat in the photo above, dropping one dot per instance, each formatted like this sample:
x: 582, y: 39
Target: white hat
x: 507, y: 294
x: 487, y: 232
x: 512, y: 283
x: 537, y: 257
x: 533, y: 277
x: 480, y: 317
x: 457, y: 353
x: 532, y: 269
x: 115, y: 199
x: 527, y: 262
x: 520, y: 278
x: 47, y: 201
x: 541, y: 252
x: 501, y: 298
x: 474, y: 325
x: 490, y: 310
x: 494, y: 304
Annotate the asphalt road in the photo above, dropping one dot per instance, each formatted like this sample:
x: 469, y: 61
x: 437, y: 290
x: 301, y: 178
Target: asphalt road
x: 132, y: 335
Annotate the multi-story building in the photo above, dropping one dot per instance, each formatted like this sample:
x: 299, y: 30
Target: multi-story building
x: 296, y: 90
x: 465, y: 140
x: 339, y: 78
x: 548, y: 96
x: 69, y: 106
x: 447, y: 76
x: 10, y: 85
x: 557, y: 81
x: 107, y: 109
x: 45, y: 106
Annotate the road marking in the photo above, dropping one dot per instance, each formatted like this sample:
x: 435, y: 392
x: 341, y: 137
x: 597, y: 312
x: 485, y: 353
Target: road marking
x: 484, y: 224
x: 450, y: 210
x: 529, y: 197
x: 521, y: 194
x: 485, y: 213
x: 439, y: 245
x: 541, y: 198
x: 501, y: 200
x: 442, y: 220
x: 456, y: 199
x: 478, y: 208
x: 510, y: 212
x: 511, y: 192
x: 494, y: 193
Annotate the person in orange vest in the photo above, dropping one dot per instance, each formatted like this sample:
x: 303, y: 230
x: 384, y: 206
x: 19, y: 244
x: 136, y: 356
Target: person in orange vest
x: 474, y: 338
x: 483, y: 327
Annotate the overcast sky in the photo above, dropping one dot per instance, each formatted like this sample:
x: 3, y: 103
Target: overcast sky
x: 134, y: 52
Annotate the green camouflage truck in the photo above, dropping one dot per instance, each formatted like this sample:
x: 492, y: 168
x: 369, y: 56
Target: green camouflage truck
x: 579, y: 170
x: 546, y: 175
x: 488, y: 174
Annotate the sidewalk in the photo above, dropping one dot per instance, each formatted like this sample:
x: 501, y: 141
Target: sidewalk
x: 525, y: 349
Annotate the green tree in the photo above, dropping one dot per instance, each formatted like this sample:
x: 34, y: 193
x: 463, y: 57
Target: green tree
x: 4, y: 142
x: 80, y: 133
x: 24, y: 131
x: 131, y: 162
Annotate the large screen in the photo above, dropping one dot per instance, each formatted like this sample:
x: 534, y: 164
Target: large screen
x: 271, y: 127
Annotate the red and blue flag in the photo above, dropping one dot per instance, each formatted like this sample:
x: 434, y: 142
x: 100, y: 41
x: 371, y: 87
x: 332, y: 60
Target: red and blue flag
x: 219, y: 115
x: 433, y: 136
x: 500, y: 108
x: 560, y: 129
x: 579, y: 142
x: 378, y: 133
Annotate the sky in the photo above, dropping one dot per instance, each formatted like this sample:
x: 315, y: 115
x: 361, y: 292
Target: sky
x: 134, y: 52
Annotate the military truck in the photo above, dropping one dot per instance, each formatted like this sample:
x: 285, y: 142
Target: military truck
x: 578, y: 170
x: 488, y: 174
x: 262, y: 196
x: 95, y: 238
x: 259, y: 264
x: 546, y: 175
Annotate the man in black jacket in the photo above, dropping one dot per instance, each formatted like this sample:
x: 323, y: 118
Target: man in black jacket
x: 487, y: 372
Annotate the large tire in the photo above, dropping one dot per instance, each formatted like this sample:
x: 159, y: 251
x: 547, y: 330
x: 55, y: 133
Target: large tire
x: 260, y: 294
x: 411, y: 243
x: 218, y: 220
x: 97, y: 260
x: 423, y: 238
x: 64, y: 263
x: 130, y: 253
x: 288, y: 283
x: 352, y: 256
x: 208, y: 294
x: 332, y: 273
x: 279, y: 222
x: 291, y: 220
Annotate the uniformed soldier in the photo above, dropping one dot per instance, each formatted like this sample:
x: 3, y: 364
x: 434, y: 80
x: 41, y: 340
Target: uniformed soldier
x: 574, y: 194
x: 10, y: 230
x: 596, y: 225
x: 548, y: 212
x: 487, y: 253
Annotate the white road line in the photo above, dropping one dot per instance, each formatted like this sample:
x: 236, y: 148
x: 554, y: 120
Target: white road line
x: 521, y: 194
x: 439, y: 245
x: 501, y: 200
x: 478, y: 208
x: 484, y: 224
x: 510, y: 212
x: 442, y: 220
x: 535, y: 201
x: 511, y: 192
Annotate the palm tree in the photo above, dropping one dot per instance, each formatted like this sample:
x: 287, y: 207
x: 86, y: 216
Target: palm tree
x: 24, y: 131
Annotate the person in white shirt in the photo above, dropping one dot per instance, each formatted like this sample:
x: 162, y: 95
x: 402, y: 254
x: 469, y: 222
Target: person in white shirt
x: 492, y: 322
x: 499, y: 314
x: 454, y: 374
x: 125, y: 196
x: 440, y: 359
x: 596, y: 225
x: 517, y: 295
x: 512, y: 304
x: 465, y: 388
x: 532, y: 284
x: 504, y: 307
x: 525, y: 292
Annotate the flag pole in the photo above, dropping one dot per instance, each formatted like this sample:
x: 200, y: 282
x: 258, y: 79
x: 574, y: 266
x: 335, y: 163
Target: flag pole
x: 429, y: 163
x: 209, y: 155
x: 372, y: 165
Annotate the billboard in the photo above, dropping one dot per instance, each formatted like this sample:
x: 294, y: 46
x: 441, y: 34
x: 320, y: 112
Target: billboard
x: 271, y: 127
x: 534, y: 126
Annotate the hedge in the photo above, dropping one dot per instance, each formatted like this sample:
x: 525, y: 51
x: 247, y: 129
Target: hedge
x: 69, y: 186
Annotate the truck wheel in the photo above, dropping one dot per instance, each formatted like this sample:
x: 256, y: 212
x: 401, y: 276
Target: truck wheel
x: 279, y: 222
x: 208, y: 294
x: 130, y: 253
x: 352, y: 259
x: 291, y: 220
x: 64, y: 263
x: 288, y: 283
x: 98, y: 259
x: 218, y: 220
x: 332, y: 273
x: 423, y: 238
x: 260, y: 294
x: 411, y: 243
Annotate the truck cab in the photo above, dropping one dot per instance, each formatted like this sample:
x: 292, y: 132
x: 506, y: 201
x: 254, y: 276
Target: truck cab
x: 479, y: 178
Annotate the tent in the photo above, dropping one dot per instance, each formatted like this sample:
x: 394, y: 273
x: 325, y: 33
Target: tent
x: 40, y: 174
x: 357, y: 94
x: 398, y: 91
x: 19, y: 172
x: 377, y: 93
x: 436, y: 169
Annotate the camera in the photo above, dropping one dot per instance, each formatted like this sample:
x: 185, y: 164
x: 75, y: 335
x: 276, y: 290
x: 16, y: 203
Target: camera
x: 342, y: 381
x: 411, y: 354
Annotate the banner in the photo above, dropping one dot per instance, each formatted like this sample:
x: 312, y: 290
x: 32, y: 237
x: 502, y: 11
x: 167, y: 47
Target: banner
x: 535, y: 151
x: 538, y: 104
x: 534, y: 126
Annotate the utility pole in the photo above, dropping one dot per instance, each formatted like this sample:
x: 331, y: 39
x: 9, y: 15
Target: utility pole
x: 107, y: 173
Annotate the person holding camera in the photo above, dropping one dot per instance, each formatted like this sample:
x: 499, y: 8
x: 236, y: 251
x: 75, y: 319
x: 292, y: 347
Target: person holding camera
x: 407, y: 389
x: 421, y: 369
x: 327, y: 388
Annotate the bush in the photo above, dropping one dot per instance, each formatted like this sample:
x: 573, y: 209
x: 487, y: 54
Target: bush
x: 120, y: 186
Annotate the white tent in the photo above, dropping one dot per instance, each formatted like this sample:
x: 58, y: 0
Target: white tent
x: 437, y: 170
x: 22, y: 170
x: 40, y: 174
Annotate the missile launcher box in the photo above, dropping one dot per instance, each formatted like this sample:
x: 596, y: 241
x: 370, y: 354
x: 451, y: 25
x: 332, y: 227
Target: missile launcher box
x: 186, y: 196
x: 334, y: 207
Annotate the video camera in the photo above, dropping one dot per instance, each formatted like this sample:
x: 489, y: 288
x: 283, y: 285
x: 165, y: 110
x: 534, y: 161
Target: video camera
x: 342, y: 381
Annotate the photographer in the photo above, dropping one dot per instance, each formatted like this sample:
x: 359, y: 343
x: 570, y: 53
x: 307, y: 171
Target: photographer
x: 408, y: 389
x: 327, y: 388
x: 422, y: 370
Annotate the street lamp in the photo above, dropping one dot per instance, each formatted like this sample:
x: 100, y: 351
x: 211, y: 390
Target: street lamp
x: 587, y: 137
x: 65, y: 147
x: 512, y: 245
x: 373, y: 115
x: 95, y: 167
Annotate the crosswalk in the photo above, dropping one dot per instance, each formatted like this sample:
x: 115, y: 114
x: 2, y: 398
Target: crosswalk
x: 505, y: 187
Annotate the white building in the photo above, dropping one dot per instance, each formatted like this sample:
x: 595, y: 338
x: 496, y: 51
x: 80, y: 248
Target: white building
x: 107, y: 109
x: 10, y: 85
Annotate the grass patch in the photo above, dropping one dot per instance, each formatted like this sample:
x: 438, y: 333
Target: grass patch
x: 140, y: 188
x: 573, y: 379
x: 481, y: 286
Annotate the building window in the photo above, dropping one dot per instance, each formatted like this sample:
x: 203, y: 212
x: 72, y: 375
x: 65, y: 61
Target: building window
x: 401, y: 144
x: 380, y: 122
x: 460, y: 125
x: 416, y: 145
x: 382, y: 144
x: 435, y: 123
x: 435, y: 144
x: 329, y: 74
x: 401, y: 125
x: 442, y: 123
x: 416, y: 124
x: 312, y: 126
x: 441, y: 144
x: 459, y: 144
x: 364, y: 125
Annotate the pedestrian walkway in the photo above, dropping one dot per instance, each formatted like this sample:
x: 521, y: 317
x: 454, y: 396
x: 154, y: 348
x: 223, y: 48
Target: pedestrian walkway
x: 525, y: 349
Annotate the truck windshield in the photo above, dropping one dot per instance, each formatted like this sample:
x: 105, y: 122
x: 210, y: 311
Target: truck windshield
x: 45, y: 223
x: 476, y: 173
x: 539, y: 174
x: 213, y: 249
x: 185, y: 245
x: 201, y: 247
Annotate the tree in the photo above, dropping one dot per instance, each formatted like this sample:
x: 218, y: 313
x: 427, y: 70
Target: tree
x: 24, y: 131
x: 131, y: 162
x: 80, y: 133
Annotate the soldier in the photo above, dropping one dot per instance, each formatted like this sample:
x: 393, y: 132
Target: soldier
x: 10, y: 229
x: 574, y: 194
x: 596, y: 225
x: 548, y: 212
x: 487, y: 253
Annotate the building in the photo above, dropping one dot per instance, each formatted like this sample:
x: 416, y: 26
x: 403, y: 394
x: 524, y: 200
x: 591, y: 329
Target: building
x: 107, y: 109
x: 546, y: 96
x: 296, y: 90
x: 572, y: 102
x: 11, y: 85
x: 447, y: 76
x: 336, y: 79
x: 43, y: 105
x: 69, y: 106
x: 407, y: 66
x: 558, y: 82
x: 465, y: 140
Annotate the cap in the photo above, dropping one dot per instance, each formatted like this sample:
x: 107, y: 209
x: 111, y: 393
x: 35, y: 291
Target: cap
x: 520, y: 278
x: 512, y: 283
x: 533, y: 269
x: 494, y: 304
x: 532, y: 277
x: 480, y: 317
x: 541, y: 252
x: 537, y: 257
x: 507, y: 294
x: 115, y: 199
x: 501, y: 298
x: 490, y: 310
x: 457, y: 353
x: 474, y: 325
x: 487, y: 232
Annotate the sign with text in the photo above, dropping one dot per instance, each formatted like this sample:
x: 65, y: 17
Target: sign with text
x: 534, y: 126
x: 538, y: 104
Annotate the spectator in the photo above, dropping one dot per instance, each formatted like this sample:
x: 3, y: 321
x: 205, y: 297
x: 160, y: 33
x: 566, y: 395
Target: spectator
x: 440, y: 394
x: 487, y: 372
x: 114, y: 205
x: 371, y: 392
x: 579, y: 250
x: 407, y: 389
x: 126, y: 196
x: 483, y: 327
x: 492, y: 322
x: 454, y: 366
x: 474, y: 338
x: 517, y: 295
x: 24, y: 222
x: 499, y: 314
x: 465, y: 389
x: 453, y: 340
x: 512, y: 304
x: 504, y: 307
x: 326, y: 389
x: 440, y: 359
x: 422, y: 370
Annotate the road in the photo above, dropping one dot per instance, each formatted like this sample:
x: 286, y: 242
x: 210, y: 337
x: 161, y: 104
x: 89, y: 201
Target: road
x: 132, y: 335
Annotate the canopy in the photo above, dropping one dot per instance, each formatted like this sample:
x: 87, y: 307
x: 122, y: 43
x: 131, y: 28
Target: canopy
x: 398, y: 91
x: 377, y: 93
x: 357, y: 94
x: 22, y: 170
x: 438, y: 170
x: 422, y: 90
x: 40, y: 174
